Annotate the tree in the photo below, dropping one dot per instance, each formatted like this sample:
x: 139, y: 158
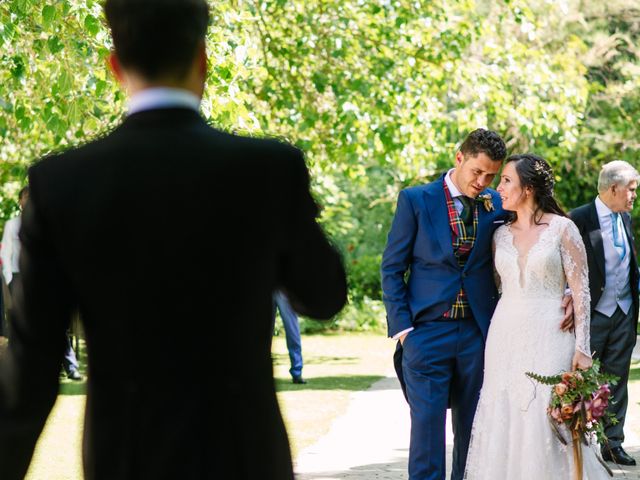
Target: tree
x: 377, y: 94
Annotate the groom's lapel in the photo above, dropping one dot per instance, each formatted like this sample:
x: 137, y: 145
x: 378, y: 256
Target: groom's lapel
x: 484, y: 220
x: 436, y: 208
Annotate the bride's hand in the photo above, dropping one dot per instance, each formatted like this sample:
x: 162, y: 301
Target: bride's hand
x: 581, y: 361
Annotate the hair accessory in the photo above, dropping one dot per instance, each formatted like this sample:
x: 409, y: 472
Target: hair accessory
x: 542, y: 170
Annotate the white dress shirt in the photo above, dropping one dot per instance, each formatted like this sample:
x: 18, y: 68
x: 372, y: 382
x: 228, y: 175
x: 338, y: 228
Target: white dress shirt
x: 455, y: 193
x: 10, y: 251
x: 162, y: 97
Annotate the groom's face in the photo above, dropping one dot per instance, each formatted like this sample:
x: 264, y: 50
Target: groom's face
x: 474, y: 173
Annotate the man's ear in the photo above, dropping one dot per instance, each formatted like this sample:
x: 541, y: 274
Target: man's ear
x: 116, y: 68
x: 202, y: 59
x: 459, y: 158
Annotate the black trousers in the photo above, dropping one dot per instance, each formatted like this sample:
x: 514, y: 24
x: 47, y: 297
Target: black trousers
x: 612, y: 340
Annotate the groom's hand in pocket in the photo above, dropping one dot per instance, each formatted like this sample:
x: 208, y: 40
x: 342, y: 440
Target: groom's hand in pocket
x: 402, y: 337
x: 567, y: 322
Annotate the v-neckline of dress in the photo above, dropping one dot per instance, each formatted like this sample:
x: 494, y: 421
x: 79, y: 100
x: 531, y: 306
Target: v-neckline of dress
x: 523, y: 261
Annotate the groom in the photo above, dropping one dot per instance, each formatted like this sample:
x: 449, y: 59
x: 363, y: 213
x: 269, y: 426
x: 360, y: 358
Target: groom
x: 441, y: 234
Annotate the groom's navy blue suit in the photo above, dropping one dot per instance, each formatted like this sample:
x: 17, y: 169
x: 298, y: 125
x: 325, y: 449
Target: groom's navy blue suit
x: 441, y: 361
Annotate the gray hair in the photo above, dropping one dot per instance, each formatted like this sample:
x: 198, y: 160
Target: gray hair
x: 617, y: 172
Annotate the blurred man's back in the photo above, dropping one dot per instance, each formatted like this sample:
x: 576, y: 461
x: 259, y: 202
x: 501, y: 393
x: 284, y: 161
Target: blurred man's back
x: 236, y: 220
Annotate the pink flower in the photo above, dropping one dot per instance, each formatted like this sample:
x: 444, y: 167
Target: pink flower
x: 555, y: 414
x: 560, y: 389
x: 577, y: 407
x: 599, y: 402
x: 598, y: 407
x: 588, y: 405
x: 603, y: 392
x: 568, y: 378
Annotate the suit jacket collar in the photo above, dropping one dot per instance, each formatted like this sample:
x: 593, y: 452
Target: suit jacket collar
x: 484, y: 219
x: 595, y: 237
x: 626, y: 220
x: 436, y: 207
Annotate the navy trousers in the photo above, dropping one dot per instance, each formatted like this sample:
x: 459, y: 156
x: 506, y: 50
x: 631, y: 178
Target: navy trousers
x: 442, y: 366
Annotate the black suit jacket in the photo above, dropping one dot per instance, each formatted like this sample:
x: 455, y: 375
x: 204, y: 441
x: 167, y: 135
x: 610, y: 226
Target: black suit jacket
x: 170, y: 237
x: 586, y: 218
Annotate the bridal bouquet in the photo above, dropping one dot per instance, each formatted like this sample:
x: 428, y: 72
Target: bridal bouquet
x: 579, y: 400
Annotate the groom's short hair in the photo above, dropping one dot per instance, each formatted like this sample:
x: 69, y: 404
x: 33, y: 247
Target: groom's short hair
x: 484, y: 141
x: 157, y: 38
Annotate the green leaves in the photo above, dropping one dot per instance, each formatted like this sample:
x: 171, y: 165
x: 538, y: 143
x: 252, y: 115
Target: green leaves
x: 48, y: 14
x: 49, y: 54
x: 54, y: 44
x: 17, y: 67
x: 64, y: 82
x: 91, y: 24
x: 378, y: 94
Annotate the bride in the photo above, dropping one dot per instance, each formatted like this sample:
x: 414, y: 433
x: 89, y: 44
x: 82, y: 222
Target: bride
x: 536, y: 254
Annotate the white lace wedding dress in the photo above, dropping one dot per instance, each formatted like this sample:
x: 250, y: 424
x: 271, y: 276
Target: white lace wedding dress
x: 512, y: 438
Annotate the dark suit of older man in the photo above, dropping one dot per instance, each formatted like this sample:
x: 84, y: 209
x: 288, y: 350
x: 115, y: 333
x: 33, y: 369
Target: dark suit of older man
x: 605, y: 226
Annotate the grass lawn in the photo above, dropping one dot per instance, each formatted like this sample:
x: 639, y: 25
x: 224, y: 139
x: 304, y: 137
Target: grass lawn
x: 336, y: 365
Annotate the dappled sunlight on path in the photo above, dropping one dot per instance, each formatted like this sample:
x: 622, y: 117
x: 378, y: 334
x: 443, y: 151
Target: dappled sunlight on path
x: 58, y: 452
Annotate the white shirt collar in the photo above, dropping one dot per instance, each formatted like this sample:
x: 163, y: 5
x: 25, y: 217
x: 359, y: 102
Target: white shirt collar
x: 602, y: 209
x: 162, y: 97
x: 453, y: 190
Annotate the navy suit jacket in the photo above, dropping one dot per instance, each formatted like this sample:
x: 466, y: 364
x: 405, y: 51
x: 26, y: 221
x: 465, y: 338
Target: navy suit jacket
x: 419, y: 242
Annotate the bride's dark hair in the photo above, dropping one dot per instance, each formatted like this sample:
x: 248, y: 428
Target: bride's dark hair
x: 535, y: 172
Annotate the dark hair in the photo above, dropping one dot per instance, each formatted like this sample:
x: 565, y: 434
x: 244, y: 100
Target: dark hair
x: 484, y: 141
x: 157, y: 38
x: 23, y: 191
x: 535, y: 172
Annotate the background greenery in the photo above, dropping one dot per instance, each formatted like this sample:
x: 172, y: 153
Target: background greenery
x: 377, y: 93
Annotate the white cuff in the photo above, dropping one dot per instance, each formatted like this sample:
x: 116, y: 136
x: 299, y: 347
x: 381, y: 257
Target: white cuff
x: 398, y: 335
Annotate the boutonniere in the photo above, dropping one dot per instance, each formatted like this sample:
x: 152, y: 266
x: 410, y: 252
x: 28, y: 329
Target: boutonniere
x: 487, y: 201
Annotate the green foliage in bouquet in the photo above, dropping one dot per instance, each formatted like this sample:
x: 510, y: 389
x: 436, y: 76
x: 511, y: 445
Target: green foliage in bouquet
x: 579, y: 400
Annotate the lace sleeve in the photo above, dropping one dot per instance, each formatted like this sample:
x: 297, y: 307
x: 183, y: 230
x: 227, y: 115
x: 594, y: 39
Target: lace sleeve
x: 574, y: 262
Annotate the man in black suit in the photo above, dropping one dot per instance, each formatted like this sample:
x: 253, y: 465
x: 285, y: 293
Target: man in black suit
x: 605, y: 226
x: 247, y: 228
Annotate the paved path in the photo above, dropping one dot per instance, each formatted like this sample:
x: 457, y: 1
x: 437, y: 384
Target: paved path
x: 371, y: 440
